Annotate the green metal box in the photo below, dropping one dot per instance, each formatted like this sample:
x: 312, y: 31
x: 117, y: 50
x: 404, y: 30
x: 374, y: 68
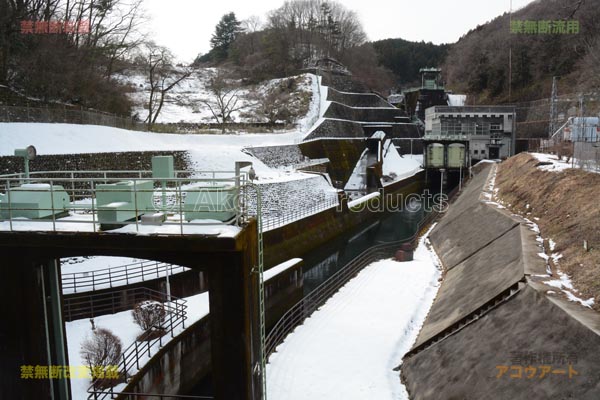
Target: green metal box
x: 211, y: 202
x: 34, y: 201
x: 163, y: 167
x: 124, y: 201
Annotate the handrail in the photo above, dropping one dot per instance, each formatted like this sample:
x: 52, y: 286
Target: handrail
x: 296, y: 315
x: 122, y: 275
x: 93, y: 305
x: 131, y: 356
x: 135, y: 396
x: 297, y: 214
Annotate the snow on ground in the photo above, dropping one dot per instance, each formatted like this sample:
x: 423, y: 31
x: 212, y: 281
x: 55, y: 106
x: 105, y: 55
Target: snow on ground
x: 350, y: 346
x: 184, y: 103
x: 555, y: 165
x: 207, y: 152
x: 358, y: 179
x: 88, y: 264
x: 123, y: 326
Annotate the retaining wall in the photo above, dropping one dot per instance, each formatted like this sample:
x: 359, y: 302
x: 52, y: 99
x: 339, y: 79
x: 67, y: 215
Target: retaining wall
x: 127, y: 161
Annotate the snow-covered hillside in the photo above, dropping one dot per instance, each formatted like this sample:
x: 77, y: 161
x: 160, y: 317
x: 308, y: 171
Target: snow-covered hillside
x: 184, y: 103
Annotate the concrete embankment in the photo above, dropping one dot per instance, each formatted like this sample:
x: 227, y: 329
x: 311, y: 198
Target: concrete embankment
x: 492, y: 332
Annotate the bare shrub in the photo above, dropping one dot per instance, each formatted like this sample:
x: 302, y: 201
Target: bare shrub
x: 101, y: 352
x: 150, y: 316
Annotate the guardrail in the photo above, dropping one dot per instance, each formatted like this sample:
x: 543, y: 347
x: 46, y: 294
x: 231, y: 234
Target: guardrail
x: 317, y: 298
x: 132, y: 355
x: 123, y: 275
x: 91, y: 201
x: 96, y: 304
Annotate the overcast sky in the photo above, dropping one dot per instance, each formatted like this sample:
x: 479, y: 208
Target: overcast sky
x: 185, y: 26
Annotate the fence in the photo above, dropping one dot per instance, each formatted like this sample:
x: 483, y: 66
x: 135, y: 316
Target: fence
x: 68, y: 115
x: 586, y: 155
x: 271, y: 222
x: 96, y: 304
x: 150, y: 396
x: 117, y: 276
x: 132, y: 356
x: 534, y: 117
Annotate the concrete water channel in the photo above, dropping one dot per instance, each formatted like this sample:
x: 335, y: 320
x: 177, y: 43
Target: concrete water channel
x: 331, y: 257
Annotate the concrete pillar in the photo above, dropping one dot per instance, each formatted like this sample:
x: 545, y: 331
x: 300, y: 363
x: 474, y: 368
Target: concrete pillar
x: 234, y: 321
x: 55, y: 317
x: 28, y: 335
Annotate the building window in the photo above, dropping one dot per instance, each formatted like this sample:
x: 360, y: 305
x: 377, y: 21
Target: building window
x: 475, y: 151
x: 496, y: 127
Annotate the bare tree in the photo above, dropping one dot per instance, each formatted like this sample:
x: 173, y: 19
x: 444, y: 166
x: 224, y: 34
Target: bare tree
x: 250, y: 26
x: 224, y: 100
x: 162, y: 77
x: 322, y: 25
x: 102, y: 351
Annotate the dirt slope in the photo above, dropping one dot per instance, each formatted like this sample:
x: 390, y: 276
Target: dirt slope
x: 568, y: 207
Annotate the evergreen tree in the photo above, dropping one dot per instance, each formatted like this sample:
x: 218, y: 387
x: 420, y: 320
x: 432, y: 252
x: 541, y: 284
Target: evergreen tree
x: 226, y: 31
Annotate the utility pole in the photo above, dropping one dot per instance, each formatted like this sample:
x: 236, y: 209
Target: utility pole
x: 553, y: 108
x: 510, y: 54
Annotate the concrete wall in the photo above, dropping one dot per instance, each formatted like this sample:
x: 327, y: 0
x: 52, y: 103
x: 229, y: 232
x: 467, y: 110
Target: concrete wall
x: 487, y: 310
x: 299, y: 238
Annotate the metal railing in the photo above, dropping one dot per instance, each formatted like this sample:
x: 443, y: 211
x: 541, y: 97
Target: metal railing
x: 93, y: 305
x: 123, y: 275
x: 131, y: 358
x: 148, y: 396
x: 271, y: 222
x: 71, y: 201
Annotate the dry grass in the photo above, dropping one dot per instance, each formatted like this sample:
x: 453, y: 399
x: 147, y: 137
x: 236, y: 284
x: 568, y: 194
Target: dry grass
x: 568, y: 207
